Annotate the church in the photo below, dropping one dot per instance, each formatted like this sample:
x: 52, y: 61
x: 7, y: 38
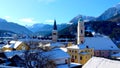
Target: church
x: 80, y: 53
x: 86, y: 47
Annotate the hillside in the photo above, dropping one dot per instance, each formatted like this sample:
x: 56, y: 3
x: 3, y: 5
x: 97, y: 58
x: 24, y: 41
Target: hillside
x: 115, y: 18
x: 110, y: 12
x: 45, y: 29
x: 13, y: 27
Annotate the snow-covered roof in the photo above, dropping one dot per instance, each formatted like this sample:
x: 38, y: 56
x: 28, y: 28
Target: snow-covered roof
x: 56, y: 54
x: 97, y: 62
x: 98, y: 43
x: 116, y: 55
x: 13, y: 44
x: 16, y: 43
x: 5, y: 66
x: 66, y: 65
x: 74, y: 47
x: 56, y: 44
x: 63, y: 49
x: 13, y: 53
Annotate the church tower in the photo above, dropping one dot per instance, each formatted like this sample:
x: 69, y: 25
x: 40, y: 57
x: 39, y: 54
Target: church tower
x: 54, y: 32
x: 80, y: 31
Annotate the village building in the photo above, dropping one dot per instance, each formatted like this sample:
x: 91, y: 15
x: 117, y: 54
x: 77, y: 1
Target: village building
x: 15, y: 45
x: 58, y: 56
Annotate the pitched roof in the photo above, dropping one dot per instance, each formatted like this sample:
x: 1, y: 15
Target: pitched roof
x: 98, y: 43
x: 16, y: 43
x: 56, y: 44
x: 57, y: 54
x: 97, y: 62
x: 13, y: 53
x: 13, y: 44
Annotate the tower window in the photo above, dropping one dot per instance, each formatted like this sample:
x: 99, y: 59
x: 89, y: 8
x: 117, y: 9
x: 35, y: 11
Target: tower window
x: 81, y: 31
x: 54, y: 33
x: 87, y: 46
x: 82, y: 42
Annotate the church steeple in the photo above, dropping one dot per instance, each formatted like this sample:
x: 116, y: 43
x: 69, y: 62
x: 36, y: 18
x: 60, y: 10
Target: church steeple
x: 55, y: 26
x: 80, y: 31
x: 54, y: 32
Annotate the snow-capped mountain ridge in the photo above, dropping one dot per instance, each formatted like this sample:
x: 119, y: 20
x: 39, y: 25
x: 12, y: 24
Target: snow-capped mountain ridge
x: 110, y: 12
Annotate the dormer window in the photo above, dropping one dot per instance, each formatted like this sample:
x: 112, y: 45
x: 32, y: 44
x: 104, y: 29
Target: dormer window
x: 87, y: 46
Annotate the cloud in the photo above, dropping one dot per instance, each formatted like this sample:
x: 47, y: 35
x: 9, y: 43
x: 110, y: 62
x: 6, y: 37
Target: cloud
x: 7, y: 17
x: 47, y: 1
x: 27, y: 20
x: 49, y: 21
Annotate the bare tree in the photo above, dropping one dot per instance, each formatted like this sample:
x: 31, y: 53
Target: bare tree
x: 38, y: 60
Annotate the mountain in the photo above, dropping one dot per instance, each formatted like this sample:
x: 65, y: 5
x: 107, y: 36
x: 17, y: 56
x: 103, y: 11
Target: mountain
x: 13, y: 27
x: 115, y: 18
x: 44, y: 29
x: 39, y: 27
x: 113, y: 11
x: 85, y: 18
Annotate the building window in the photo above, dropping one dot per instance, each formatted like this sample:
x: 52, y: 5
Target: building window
x: 75, y: 57
x: 86, y: 57
x: 102, y: 53
x: 91, y: 55
x: 97, y: 52
x: 69, y: 50
x: 75, y: 51
x: 114, y: 52
x: 80, y: 57
x: 72, y: 51
x: 72, y: 56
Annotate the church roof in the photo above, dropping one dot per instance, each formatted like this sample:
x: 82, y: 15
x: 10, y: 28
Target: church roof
x: 80, y: 19
x: 55, y: 26
x: 98, y: 43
